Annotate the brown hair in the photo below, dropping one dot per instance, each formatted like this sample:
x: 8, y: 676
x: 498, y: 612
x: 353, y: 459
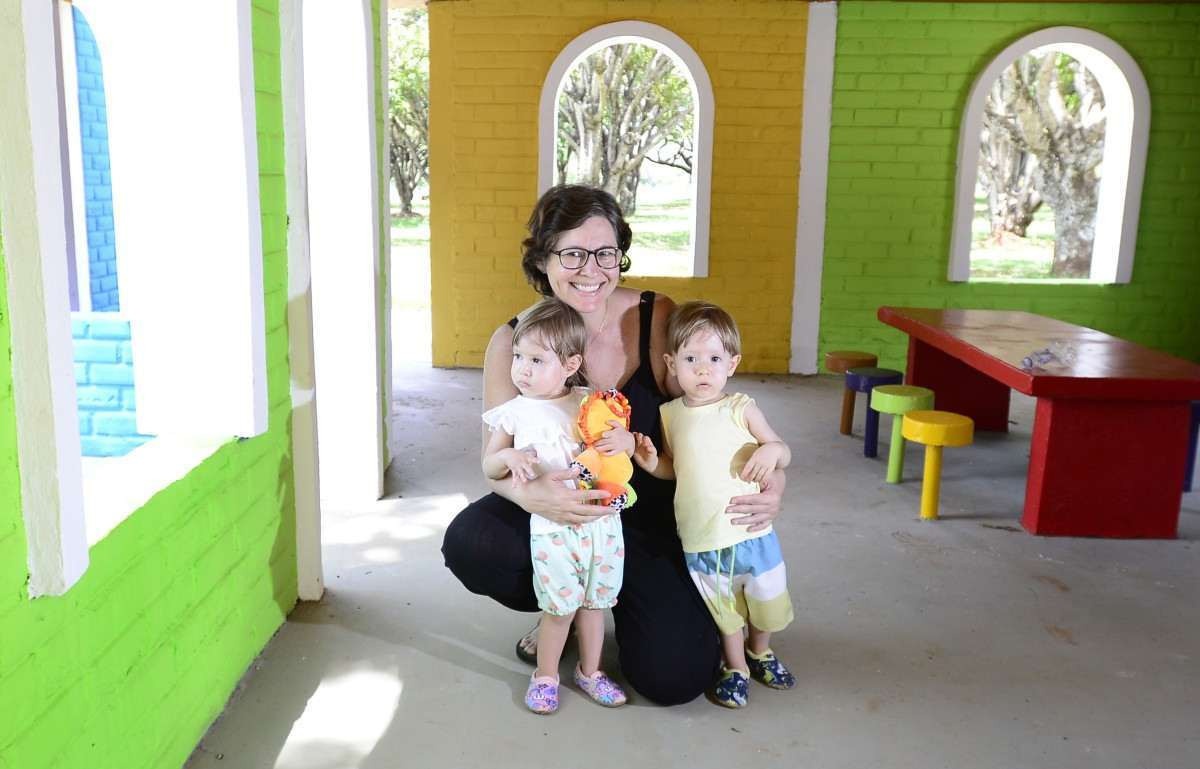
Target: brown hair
x: 560, y: 328
x: 563, y: 208
x: 689, y: 318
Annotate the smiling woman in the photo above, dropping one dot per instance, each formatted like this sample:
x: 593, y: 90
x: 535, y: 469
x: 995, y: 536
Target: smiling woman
x: 667, y: 642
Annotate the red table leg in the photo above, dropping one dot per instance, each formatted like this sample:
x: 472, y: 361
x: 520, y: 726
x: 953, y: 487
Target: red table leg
x: 1106, y: 468
x: 958, y: 387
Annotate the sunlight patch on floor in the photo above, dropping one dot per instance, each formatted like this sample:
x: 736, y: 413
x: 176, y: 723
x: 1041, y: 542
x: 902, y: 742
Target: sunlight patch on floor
x: 343, y: 721
x: 398, y: 519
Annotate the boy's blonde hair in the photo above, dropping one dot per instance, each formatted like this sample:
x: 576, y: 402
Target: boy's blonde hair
x: 692, y: 317
x: 560, y: 328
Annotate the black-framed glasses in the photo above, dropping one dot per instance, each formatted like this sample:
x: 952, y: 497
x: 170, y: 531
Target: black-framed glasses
x: 607, y: 257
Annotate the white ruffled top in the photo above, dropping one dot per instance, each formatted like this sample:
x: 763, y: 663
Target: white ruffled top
x: 546, y: 426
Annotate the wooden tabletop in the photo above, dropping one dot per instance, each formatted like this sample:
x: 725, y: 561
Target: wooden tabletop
x: 1090, y: 363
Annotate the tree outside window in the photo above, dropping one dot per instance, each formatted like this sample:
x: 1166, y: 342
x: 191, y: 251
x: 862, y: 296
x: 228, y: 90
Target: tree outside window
x: 408, y: 104
x: 626, y: 123
x: 1041, y: 147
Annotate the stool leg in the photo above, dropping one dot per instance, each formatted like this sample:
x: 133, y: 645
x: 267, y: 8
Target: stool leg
x: 847, y: 410
x: 871, y: 433
x: 896, y: 450
x: 931, y: 486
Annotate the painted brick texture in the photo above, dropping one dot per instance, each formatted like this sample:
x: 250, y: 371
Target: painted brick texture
x: 97, y: 182
x: 132, y: 665
x: 488, y: 62
x: 902, y: 76
x: 104, y: 385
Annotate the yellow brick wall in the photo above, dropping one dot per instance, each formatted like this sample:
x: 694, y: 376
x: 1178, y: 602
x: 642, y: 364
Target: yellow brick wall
x: 488, y: 60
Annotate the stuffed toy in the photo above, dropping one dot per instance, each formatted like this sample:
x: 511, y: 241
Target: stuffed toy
x: 597, y: 471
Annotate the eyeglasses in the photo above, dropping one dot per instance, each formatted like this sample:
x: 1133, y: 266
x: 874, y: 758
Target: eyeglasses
x: 607, y: 257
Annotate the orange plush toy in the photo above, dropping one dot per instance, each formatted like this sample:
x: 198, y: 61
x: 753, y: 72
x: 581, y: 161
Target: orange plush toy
x: 597, y: 471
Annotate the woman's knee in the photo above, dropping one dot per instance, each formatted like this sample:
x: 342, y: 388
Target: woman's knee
x: 675, y: 677
x: 486, y: 547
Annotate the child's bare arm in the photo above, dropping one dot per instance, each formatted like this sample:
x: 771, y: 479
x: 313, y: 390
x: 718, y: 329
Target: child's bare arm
x: 648, y: 458
x: 617, y: 439
x: 772, y: 453
x: 500, y: 459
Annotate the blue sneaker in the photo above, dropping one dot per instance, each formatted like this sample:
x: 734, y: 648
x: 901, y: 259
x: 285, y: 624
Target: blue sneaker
x: 767, y: 669
x: 732, y: 689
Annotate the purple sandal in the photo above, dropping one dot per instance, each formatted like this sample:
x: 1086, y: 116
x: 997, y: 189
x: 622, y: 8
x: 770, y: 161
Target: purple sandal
x: 542, y: 695
x: 602, y: 689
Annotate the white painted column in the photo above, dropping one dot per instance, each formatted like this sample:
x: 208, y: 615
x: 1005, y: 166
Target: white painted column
x: 309, y: 576
x: 35, y: 262
x: 344, y: 233
x: 814, y: 176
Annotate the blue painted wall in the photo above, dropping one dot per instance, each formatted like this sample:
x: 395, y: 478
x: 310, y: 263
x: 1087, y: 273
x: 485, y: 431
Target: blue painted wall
x: 97, y: 185
x: 104, y: 386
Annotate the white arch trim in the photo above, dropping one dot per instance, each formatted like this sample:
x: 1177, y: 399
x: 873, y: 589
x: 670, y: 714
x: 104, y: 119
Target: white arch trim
x: 1127, y: 134
x: 687, y: 60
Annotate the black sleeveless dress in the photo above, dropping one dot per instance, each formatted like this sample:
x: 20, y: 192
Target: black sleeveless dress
x: 667, y: 643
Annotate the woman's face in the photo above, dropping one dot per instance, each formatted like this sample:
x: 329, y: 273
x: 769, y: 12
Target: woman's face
x: 587, y: 288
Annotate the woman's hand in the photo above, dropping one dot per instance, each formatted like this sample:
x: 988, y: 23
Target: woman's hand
x: 756, y: 511
x: 549, y: 497
x: 617, y: 440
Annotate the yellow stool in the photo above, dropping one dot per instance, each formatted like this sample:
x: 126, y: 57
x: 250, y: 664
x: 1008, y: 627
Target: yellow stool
x: 935, y: 429
x: 898, y: 400
x: 837, y: 362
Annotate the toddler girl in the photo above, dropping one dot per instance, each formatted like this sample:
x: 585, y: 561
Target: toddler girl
x: 577, y: 570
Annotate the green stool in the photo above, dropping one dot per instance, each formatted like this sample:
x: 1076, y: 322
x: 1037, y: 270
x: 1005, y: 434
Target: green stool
x: 898, y: 400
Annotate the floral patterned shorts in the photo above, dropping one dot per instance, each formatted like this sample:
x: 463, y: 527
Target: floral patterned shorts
x: 578, y: 566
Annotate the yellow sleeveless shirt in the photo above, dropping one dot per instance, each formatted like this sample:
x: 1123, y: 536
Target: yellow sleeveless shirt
x: 710, y: 445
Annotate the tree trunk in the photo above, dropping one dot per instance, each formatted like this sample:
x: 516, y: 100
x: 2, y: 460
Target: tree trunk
x: 627, y: 191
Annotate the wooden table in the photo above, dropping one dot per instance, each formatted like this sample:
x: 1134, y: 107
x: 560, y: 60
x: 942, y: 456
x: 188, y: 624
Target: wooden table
x: 1111, y: 427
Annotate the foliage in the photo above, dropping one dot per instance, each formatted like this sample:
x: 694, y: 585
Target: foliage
x: 1043, y: 141
x: 619, y: 106
x: 408, y: 102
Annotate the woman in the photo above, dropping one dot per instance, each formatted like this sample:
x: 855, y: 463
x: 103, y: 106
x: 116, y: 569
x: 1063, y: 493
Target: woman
x: 668, y: 646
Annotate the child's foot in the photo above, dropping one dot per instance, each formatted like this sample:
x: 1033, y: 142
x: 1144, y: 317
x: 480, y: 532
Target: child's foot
x: 542, y: 695
x: 602, y: 689
x: 767, y: 669
x: 732, y: 689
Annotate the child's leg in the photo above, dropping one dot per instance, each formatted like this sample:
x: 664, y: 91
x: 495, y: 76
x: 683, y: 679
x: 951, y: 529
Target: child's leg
x: 760, y: 640
x: 733, y: 646
x: 589, y: 629
x: 552, y: 636
x: 764, y: 665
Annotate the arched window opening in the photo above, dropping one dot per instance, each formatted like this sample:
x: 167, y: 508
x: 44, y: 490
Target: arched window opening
x: 102, y: 337
x: 1051, y: 158
x: 628, y: 107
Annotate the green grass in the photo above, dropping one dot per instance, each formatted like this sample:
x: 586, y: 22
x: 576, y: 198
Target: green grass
x: 1010, y: 269
x: 1016, y: 258
x: 662, y: 238
x: 676, y: 240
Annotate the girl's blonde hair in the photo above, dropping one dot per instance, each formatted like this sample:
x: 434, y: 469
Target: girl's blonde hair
x: 692, y: 317
x: 560, y: 328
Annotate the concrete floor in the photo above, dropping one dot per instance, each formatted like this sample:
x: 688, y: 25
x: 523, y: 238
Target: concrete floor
x: 961, y: 643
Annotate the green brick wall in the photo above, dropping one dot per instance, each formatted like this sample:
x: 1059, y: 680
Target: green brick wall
x: 132, y: 665
x: 902, y: 76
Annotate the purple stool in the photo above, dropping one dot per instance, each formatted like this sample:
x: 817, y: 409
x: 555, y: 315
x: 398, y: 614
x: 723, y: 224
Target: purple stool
x: 864, y: 379
x: 1193, y: 434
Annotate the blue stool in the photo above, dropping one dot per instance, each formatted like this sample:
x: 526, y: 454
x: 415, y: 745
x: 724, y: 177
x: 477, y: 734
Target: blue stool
x: 1193, y: 434
x: 864, y: 379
